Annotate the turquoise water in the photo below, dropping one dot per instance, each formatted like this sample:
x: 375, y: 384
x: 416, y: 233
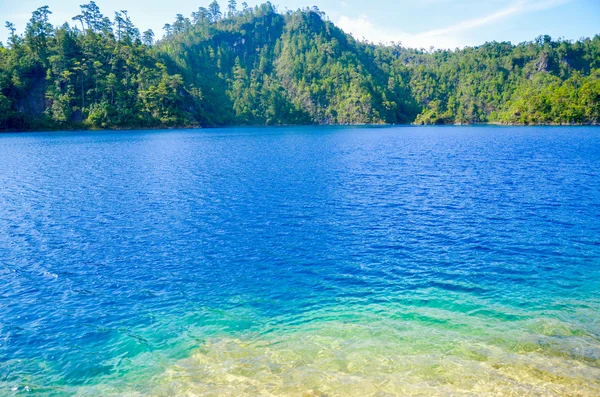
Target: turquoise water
x: 301, y: 261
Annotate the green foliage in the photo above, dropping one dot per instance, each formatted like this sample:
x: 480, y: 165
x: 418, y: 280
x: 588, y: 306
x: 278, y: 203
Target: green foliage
x: 257, y: 66
x: 540, y: 82
x: 549, y: 100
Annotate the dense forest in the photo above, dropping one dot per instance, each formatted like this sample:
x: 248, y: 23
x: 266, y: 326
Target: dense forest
x: 258, y: 66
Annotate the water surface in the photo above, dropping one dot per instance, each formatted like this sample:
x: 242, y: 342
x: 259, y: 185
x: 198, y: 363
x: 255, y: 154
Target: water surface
x: 301, y: 261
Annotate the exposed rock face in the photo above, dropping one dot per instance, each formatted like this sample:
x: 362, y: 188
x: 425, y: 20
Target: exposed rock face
x: 542, y: 64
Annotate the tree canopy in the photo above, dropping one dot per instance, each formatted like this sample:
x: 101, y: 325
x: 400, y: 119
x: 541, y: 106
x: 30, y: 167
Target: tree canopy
x: 259, y: 66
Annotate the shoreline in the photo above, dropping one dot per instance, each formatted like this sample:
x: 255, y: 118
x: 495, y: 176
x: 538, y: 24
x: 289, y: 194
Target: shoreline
x: 196, y: 127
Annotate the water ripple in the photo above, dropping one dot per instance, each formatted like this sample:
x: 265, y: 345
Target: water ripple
x: 301, y: 261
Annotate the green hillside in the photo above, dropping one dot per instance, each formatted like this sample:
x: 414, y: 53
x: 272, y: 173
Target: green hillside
x: 257, y: 66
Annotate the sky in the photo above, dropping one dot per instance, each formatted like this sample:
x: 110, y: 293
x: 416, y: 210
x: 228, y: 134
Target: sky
x: 413, y: 23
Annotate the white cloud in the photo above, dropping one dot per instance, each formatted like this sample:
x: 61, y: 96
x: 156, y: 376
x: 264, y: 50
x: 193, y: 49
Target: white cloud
x: 363, y: 28
x: 448, y: 37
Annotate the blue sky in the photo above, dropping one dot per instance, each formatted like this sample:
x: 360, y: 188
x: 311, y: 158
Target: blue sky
x: 415, y: 23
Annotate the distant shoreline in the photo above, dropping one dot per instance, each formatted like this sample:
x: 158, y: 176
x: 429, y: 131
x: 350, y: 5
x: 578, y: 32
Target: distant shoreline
x: 499, y: 124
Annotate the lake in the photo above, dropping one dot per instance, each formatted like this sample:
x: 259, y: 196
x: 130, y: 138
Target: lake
x: 301, y: 261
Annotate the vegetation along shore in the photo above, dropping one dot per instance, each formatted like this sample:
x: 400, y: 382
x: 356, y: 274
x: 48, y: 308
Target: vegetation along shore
x: 257, y: 66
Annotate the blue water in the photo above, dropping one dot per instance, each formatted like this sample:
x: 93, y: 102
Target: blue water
x: 301, y: 261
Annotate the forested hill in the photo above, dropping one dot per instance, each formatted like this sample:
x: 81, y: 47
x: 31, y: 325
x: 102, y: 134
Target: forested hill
x: 258, y: 66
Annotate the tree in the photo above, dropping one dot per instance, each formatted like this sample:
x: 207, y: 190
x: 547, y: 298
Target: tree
x: 38, y: 31
x: 93, y: 18
x: 231, y: 8
x: 168, y: 29
x: 214, y: 11
x: 11, y: 28
x: 125, y: 28
x: 201, y: 15
x: 181, y: 24
x: 148, y: 37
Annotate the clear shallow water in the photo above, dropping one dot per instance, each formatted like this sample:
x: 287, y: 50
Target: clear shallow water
x: 301, y: 262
